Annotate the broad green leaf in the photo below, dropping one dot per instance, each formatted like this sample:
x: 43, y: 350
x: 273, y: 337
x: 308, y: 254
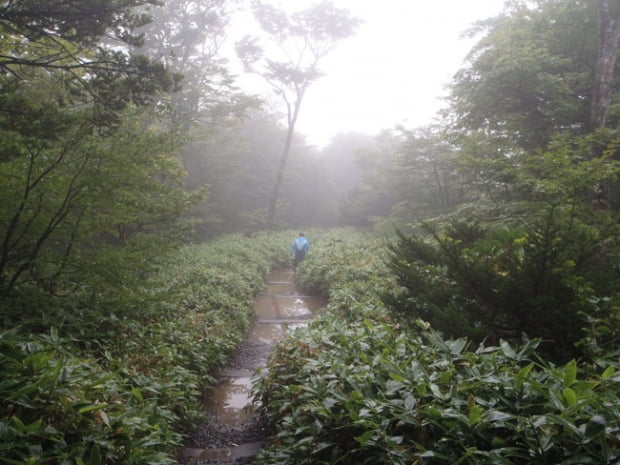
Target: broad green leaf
x: 329, y: 403
x: 366, y: 437
x: 475, y: 414
x: 523, y: 374
x: 369, y: 324
x: 507, y: 350
x: 34, y: 426
x: 20, y: 424
x: 496, y: 415
x: 436, y: 391
x: 410, y: 402
x: 457, y: 346
x: 570, y: 373
x: 137, y: 394
x: 397, y: 377
x: 609, y: 371
x: 393, y: 386
x: 95, y: 456
x: 90, y: 408
x: 303, y: 441
x: 569, y: 396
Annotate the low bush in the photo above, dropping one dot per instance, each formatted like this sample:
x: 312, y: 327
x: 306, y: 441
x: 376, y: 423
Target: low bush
x: 348, y: 266
x: 491, y: 283
x: 362, y: 392
x: 359, y: 387
x: 116, y: 375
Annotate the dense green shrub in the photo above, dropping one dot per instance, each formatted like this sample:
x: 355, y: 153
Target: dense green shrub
x: 116, y: 375
x: 489, y: 283
x: 348, y: 266
x: 357, y: 386
x: 363, y: 392
x: 57, y: 408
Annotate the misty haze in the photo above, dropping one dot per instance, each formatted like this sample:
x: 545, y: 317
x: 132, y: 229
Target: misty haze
x: 307, y: 232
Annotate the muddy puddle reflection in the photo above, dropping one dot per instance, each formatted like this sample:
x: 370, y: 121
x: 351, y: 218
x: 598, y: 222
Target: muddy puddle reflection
x: 278, y: 312
x: 270, y: 333
x: 278, y: 306
x: 229, y: 403
x: 284, y: 275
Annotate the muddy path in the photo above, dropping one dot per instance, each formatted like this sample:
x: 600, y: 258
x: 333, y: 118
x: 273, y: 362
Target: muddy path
x: 235, y: 434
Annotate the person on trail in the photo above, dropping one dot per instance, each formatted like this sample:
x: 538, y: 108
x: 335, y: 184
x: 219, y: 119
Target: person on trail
x: 299, y: 249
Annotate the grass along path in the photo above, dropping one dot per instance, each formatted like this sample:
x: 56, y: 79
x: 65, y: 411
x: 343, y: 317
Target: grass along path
x: 234, y: 433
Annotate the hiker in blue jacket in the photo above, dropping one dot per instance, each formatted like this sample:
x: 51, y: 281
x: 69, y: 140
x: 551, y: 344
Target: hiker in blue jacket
x: 299, y: 249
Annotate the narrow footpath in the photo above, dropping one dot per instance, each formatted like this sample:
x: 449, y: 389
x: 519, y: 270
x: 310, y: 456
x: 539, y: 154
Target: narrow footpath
x: 234, y: 434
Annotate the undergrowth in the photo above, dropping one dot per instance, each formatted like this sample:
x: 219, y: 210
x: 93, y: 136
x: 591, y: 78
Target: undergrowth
x: 361, y: 385
x: 115, y: 376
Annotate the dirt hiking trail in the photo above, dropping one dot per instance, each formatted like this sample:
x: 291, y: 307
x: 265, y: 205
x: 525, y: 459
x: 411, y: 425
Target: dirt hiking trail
x: 234, y: 434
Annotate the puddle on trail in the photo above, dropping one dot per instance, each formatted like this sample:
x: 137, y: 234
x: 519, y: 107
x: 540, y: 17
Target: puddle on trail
x: 280, y: 289
x: 285, y: 275
x: 228, y: 403
x: 287, y: 306
x: 269, y: 333
x: 281, y: 310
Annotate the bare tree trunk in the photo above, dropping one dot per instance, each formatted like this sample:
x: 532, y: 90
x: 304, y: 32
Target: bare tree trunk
x: 609, y: 42
x: 292, y: 120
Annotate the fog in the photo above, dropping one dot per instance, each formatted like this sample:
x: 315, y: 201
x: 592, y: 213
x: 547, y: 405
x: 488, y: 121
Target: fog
x: 392, y: 71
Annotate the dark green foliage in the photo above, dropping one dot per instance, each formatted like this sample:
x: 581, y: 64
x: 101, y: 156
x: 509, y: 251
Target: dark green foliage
x: 73, y: 199
x: 362, y: 392
x: 115, y: 374
x: 530, y: 76
x: 358, y: 387
x: 536, y: 270
x: 56, y: 408
x: 344, y: 257
x: 500, y: 283
x: 186, y: 37
x: 63, y: 41
x: 79, y: 21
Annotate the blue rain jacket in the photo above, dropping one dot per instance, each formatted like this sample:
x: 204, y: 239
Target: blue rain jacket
x: 301, y: 244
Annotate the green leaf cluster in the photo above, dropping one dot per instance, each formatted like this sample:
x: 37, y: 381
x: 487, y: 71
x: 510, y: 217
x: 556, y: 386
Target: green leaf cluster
x: 58, y: 408
x: 366, y: 392
x: 359, y: 386
x: 538, y: 270
x: 118, y: 376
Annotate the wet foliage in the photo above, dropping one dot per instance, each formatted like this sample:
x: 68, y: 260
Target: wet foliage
x: 361, y: 385
x: 119, y: 379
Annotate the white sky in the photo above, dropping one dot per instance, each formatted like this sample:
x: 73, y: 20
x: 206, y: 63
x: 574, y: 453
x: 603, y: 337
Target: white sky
x: 393, y: 70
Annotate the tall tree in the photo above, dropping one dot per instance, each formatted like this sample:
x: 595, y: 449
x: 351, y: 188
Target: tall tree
x: 298, y: 43
x: 340, y: 160
x: 375, y: 195
x: 609, y: 42
x: 530, y: 75
x: 71, y: 175
x: 66, y: 37
x: 65, y: 201
x: 238, y: 162
x: 187, y: 36
x: 544, y: 68
x: 427, y: 172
